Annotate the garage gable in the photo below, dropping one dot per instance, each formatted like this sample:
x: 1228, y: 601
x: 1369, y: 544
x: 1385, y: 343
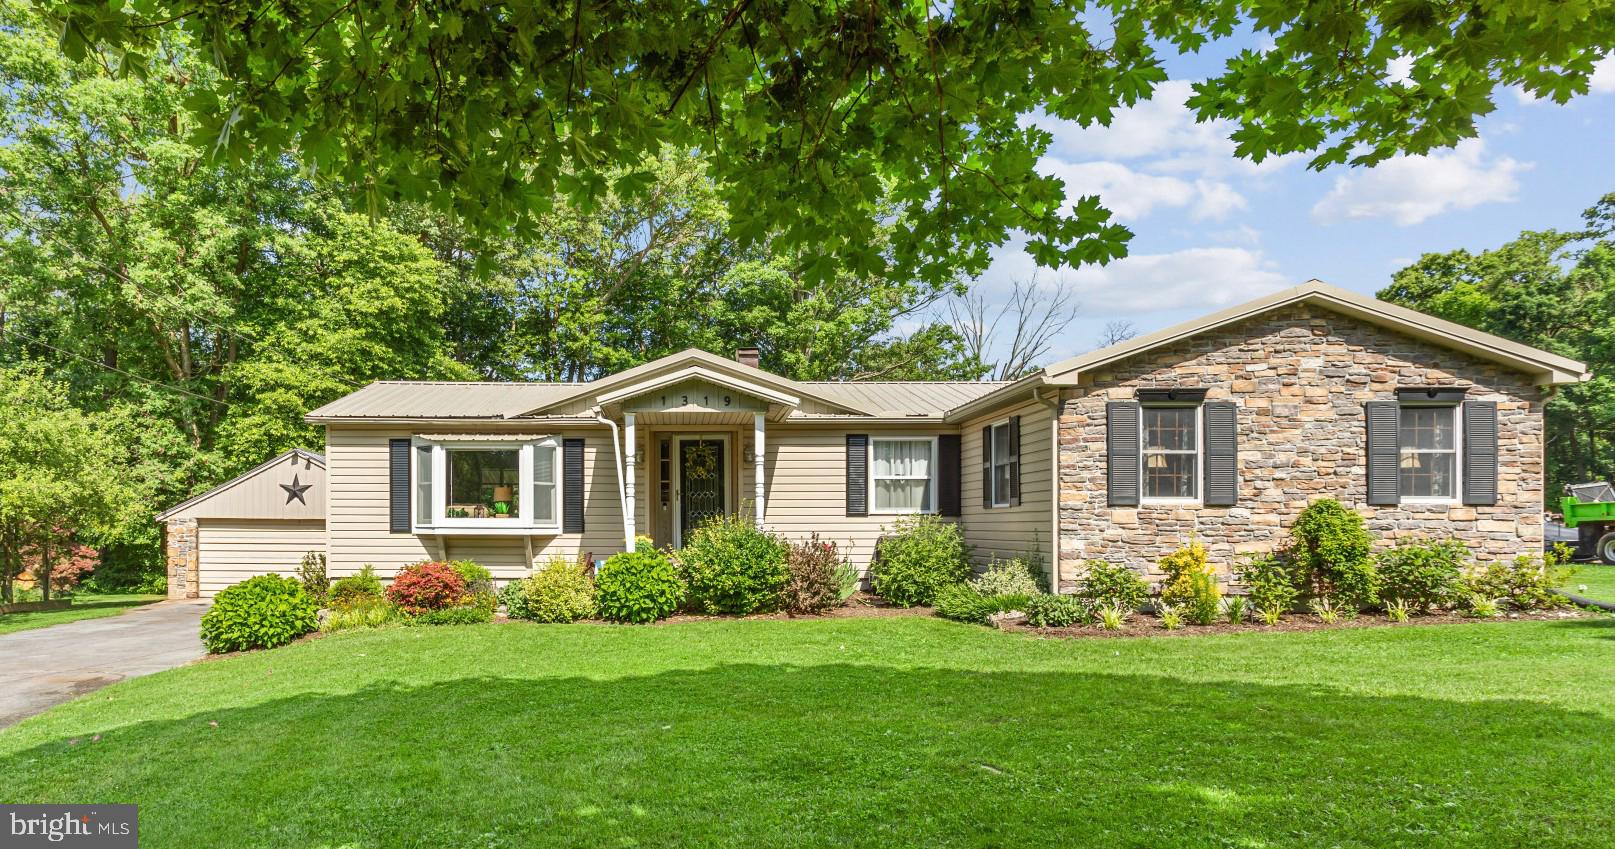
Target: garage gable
x: 289, y: 487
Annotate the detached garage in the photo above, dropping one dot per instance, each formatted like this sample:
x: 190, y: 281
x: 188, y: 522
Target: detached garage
x: 263, y: 521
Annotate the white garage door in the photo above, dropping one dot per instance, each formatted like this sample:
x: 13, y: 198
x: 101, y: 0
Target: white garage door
x: 230, y: 551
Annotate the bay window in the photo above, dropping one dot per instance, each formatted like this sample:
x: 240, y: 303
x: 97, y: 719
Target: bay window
x: 903, y: 473
x: 486, y: 485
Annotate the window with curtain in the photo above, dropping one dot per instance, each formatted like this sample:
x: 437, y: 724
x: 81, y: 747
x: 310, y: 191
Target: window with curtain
x: 1171, y: 452
x: 1429, y: 463
x: 902, y: 471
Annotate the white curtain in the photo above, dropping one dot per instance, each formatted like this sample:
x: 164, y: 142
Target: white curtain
x: 895, y: 461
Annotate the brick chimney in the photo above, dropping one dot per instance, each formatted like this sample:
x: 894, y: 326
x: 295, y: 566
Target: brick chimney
x: 748, y: 357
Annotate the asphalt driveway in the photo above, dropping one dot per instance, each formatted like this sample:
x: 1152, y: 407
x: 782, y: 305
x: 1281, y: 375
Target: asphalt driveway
x: 48, y: 666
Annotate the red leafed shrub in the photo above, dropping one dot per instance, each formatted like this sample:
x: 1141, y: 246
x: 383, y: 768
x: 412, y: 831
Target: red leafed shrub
x: 432, y: 585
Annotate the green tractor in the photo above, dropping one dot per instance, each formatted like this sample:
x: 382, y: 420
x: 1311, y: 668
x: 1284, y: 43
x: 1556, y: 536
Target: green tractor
x: 1589, y: 508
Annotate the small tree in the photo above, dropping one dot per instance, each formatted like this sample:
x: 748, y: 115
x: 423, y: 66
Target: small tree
x: 58, y: 476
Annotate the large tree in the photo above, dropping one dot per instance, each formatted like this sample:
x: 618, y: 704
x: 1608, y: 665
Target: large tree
x: 1551, y: 289
x: 823, y: 119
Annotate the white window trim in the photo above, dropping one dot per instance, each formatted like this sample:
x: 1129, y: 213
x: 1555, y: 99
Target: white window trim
x: 1199, y: 453
x: 932, y: 477
x: 990, y: 468
x: 1457, y: 457
x: 523, y: 525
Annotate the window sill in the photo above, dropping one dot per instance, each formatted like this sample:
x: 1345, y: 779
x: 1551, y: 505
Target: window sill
x: 501, y: 530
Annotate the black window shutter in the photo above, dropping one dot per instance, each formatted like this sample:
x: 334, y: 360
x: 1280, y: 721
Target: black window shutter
x: 1122, y: 453
x: 571, y: 486
x: 987, y: 467
x: 1480, y: 452
x: 398, y: 486
x: 857, y: 474
x: 1014, y: 461
x: 1384, y: 452
x: 947, y: 475
x: 1222, y: 453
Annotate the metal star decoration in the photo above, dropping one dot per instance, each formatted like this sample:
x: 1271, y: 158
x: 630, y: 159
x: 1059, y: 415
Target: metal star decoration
x: 295, y: 490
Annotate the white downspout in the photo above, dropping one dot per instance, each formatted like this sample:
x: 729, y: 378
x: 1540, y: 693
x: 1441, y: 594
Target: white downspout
x: 622, y: 492
x: 1054, y: 485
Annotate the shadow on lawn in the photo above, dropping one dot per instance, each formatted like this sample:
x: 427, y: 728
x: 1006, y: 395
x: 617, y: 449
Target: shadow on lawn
x: 753, y: 755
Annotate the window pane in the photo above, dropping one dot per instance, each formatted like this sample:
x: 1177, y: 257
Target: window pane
x: 1428, y: 428
x: 903, y: 495
x: 544, y: 464
x: 483, y: 483
x: 1427, y: 475
x: 1169, y: 428
x: 423, y: 484
x: 544, y: 504
x: 1169, y: 475
x: 904, y: 458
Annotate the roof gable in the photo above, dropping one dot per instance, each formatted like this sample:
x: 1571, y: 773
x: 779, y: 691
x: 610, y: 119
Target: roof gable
x: 1545, y: 366
x: 290, y: 486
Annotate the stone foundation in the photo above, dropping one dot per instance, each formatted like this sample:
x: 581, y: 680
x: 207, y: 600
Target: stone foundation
x: 1300, y: 377
x: 182, y: 559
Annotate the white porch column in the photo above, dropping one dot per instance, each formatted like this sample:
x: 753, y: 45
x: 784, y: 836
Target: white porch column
x: 630, y: 452
x: 758, y: 455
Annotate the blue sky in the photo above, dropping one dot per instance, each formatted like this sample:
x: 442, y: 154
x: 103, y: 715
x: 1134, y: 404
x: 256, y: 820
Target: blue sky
x: 1212, y: 230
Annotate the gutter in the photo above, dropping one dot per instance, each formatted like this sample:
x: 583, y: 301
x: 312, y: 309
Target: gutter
x: 622, y: 492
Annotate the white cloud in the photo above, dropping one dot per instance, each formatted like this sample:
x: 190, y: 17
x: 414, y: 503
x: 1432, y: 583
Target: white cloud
x: 1134, y: 194
x: 1410, y: 189
x: 1201, y: 279
x: 1161, y: 129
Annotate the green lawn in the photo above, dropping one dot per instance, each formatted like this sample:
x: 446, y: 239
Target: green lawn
x: 854, y: 732
x: 1597, y: 578
x: 84, y: 607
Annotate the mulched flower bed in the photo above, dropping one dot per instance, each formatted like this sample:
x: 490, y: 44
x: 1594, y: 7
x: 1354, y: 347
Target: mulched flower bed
x: 1143, y: 625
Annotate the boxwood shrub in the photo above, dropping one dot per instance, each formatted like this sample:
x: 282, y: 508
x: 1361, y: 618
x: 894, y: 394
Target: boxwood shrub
x: 259, y: 613
x: 729, y: 566
x: 924, y: 555
x: 638, y: 586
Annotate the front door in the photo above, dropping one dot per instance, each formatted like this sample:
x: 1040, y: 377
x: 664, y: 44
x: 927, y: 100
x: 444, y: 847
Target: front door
x: 702, y: 483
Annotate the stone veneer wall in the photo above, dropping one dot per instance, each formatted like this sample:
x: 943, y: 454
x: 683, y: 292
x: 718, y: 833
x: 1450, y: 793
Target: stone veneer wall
x: 182, y: 559
x: 1300, y: 377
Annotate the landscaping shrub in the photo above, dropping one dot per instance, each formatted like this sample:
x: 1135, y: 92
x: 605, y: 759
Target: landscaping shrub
x: 430, y: 585
x: 559, y: 591
x: 261, y: 612
x: 311, y: 571
x: 816, y: 575
x: 1010, y: 577
x: 922, y: 555
x: 1190, y: 584
x: 362, y: 613
x: 355, y: 589
x: 1109, y: 584
x: 638, y: 586
x: 1056, y: 611
x: 469, y: 614
x: 963, y: 602
x: 1527, y: 582
x: 1271, y: 585
x: 1331, y: 551
x: 729, y: 566
x: 1422, y: 574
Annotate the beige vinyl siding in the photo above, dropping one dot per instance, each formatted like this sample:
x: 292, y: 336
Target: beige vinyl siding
x: 806, y: 487
x: 1022, y: 531
x: 230, y: 551
x: 357, y: 512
